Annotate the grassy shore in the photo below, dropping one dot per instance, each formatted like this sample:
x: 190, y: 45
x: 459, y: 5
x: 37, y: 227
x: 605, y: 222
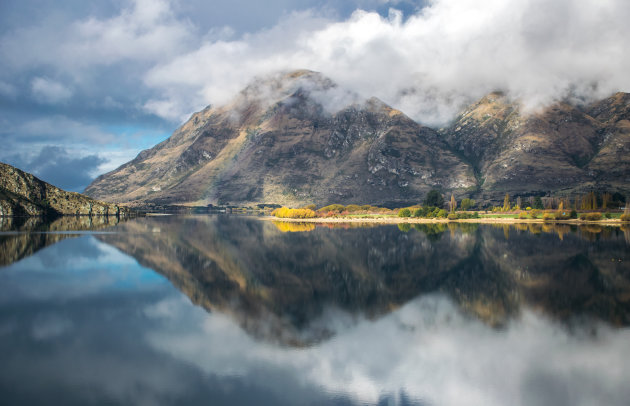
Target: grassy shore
x: 393, y: 219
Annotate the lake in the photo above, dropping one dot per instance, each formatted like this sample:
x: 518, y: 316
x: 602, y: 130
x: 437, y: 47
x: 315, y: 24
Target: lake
x: 235, y: 310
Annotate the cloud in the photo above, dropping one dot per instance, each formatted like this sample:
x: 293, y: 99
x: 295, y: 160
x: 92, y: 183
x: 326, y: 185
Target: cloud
x: 426, y: 352
x: 50, y: 91
x: 59, y: 167
x: 429, y: 65
x: 63, y: 129
x: 142, y: 30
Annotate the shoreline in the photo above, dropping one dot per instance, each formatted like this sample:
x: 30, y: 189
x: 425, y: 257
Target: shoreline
x: 408, y: 220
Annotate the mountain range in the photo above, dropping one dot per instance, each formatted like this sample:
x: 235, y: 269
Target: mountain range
x: 298, y: 138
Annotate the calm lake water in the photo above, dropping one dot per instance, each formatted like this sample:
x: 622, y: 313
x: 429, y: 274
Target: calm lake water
x: 234, y: 310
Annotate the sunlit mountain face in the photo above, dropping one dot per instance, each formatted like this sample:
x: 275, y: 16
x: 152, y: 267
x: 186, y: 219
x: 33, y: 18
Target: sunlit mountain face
x: 298, y: 138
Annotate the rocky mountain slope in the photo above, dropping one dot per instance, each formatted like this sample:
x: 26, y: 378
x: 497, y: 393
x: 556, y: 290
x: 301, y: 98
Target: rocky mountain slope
x: 22, y: 194
x: 297, y: 138
x: 562, y: 149
x: 291, y: 139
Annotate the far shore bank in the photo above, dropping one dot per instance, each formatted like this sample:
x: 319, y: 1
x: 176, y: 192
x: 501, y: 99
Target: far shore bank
x: 410, y: 220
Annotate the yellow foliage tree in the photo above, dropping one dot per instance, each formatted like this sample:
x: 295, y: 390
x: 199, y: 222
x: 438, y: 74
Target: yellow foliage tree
x: 285, y: 212
x: 506, y: 202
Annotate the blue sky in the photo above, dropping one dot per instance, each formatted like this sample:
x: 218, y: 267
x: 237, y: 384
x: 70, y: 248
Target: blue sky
x: 86, y: 85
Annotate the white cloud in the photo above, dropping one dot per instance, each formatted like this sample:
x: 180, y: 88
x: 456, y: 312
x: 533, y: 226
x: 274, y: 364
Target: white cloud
x: 450, y: 53
x: 143, y: 31
x: 429, y: 65
x: 50, y: 91
x: 427, y: 350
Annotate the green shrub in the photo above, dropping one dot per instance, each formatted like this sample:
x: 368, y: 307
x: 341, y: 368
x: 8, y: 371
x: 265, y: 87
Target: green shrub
x: 352, y: 208
x: 573, y: 214
x: 562, y: 215
x: 419, y: 212
x: 475, y: 215
x: 607, y: 215
x: 333, y: 207
x: 591, y: 216
x: 441, y: 213
x: 404, y: 212
x: 534, y: 213
x: 452, y: 216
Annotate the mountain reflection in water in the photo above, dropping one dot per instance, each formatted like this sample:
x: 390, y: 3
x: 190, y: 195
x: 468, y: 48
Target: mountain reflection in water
x: 286, y: 314
x: 21, y: 237
x: 278, y: 284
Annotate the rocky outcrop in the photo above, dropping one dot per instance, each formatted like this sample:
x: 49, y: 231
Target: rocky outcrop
x: 291, y: 139
x: 22, y: 194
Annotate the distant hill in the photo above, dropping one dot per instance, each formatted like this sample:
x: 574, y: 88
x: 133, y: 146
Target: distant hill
x: 22, y: 194
x: 298, y: 138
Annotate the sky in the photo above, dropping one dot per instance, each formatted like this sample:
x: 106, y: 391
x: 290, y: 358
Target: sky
x: 86, y: 85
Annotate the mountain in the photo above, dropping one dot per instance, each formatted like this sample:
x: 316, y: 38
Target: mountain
x: 611, y: 165
x: 293, y: 139
x: 22, y: 194
x: 298, y: 138
x: 562, y: 149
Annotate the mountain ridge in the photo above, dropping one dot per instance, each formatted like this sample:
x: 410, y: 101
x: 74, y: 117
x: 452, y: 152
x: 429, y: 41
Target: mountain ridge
x: 297, y: 138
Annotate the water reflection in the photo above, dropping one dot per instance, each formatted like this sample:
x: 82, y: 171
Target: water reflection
x: 21, y: 237
x: 278, y: 284
x: 437, y: 314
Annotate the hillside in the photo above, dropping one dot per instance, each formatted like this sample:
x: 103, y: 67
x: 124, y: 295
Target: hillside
x: 562, y: 149
x: 298, y: 138
x: 291, y: 139
x: 22, y: 194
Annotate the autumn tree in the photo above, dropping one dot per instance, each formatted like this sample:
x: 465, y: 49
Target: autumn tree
x: 506, y: 202
x: 453, y: 203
